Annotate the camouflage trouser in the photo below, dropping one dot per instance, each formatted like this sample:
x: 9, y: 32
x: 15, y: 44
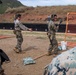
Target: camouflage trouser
x: 53, y: 43
x: 19, y: 40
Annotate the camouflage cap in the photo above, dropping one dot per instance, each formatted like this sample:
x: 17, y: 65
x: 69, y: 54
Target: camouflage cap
x: 53, y: 16
x: 17, y: 15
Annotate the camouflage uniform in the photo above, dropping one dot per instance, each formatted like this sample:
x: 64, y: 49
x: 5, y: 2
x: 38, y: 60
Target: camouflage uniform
x: 17, y: 32
x: 52, y: 37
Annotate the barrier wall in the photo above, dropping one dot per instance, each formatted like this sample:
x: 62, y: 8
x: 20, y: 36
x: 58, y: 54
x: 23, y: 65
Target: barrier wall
x: 34, y: 26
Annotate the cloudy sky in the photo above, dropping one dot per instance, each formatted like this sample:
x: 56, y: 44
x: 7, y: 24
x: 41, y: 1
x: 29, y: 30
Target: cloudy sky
x: 47, y: 2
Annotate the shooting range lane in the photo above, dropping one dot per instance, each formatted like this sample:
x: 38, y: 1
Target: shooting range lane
x: 34, y: 47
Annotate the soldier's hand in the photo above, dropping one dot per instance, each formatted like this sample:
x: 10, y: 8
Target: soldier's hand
x: 47, y: 33
x: 57, y: 27
x: 30, y: 29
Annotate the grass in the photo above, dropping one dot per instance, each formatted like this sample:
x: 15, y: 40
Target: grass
x: 9, y: 4
x: 6, y: 32
x: 39, y: 14
x: 40, y: 35
x: 46, y: 10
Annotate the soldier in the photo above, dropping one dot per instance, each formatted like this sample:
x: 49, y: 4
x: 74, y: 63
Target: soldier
x: 52, y: 35
x: 17, y: 31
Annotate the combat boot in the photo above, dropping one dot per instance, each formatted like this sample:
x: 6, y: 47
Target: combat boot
x: 57, y: 53
x: 49, y: 53
x: 16, y: 50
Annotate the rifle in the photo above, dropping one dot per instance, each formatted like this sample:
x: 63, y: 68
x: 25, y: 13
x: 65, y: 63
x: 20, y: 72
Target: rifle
x: 61, y: 20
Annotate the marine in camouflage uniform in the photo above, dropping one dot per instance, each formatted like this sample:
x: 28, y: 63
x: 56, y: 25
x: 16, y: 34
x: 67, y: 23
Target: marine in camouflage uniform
x: 18, y: 27
x: 52, y: 37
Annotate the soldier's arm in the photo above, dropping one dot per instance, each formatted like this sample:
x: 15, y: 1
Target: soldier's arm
x: 23, y: 27
x: 60, y: 21
x: 49, y: 27
x: 54, y: 26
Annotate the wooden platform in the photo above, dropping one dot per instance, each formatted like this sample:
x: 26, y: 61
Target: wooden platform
x: 70, y: 44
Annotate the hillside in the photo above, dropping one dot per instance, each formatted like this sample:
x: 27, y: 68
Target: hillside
x: 9, y: 3
x: 37, y: 14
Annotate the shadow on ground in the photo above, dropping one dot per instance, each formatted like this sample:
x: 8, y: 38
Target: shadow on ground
x: 31, y: 48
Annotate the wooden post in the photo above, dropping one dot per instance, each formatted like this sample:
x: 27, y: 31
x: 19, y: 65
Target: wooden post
x: 66, y: 31
x: 66, y: 27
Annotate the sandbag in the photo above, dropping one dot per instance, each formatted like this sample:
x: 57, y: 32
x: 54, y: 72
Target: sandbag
x: 63, y: 64
x: 28, y: 60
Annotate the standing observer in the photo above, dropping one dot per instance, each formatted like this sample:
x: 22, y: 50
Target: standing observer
x: 17, y: 31
x: 53, y: 47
